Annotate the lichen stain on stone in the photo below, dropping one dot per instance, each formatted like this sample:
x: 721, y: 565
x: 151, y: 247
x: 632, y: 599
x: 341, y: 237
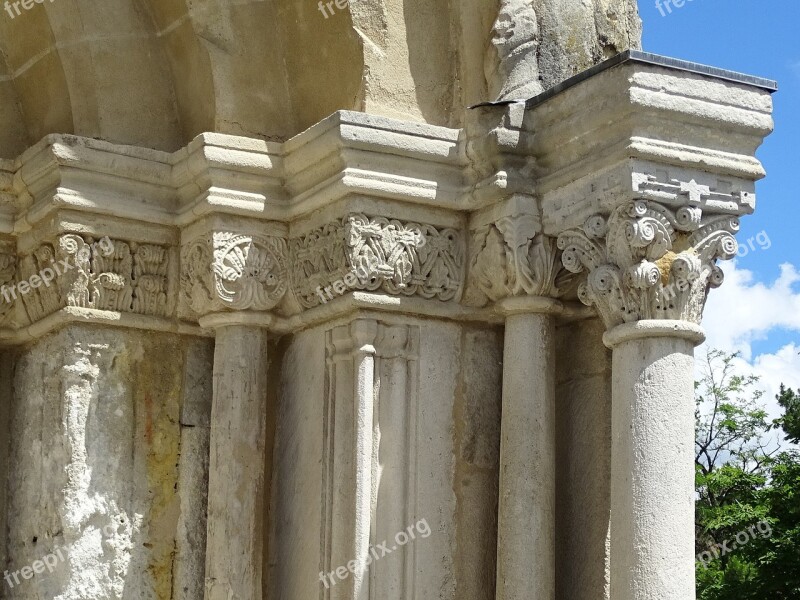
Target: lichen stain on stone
x: 664, y: 265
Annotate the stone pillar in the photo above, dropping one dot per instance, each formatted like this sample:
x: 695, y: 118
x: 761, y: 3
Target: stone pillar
x: 649, y: 270
x: 652, y: 467
x: 188, y: 579
x: 237, y: 488
x: 526, y: 517
x: 232, y: 279
x: 352, y: 474
x: 516, y: 267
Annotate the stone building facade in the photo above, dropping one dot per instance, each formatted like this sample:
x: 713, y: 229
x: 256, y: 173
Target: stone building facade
x: 283, y: 319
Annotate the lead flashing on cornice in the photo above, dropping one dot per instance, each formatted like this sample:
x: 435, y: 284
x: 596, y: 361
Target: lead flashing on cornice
x: 645, y: 58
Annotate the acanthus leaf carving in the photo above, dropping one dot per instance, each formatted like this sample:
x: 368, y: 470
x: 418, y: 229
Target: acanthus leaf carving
x: 511, y: 257
x: 112, y: 285
x: 150, y: 277
x: 648, y: 261
x: 197, y: 276
x: 250, y: 271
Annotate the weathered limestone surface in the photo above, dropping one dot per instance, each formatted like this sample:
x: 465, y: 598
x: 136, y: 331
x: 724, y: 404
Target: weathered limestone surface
x: 653, y: 447
x: 95, y: 460
x: 237, y: 479
x: 189, y: 561
x: 583, y: 480
x: 160, y: 72
x: 527, y: 527
x: 435, y: 457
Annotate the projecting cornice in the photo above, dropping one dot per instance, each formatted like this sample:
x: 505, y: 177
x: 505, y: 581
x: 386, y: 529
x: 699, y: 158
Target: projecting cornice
x: 363, y: 212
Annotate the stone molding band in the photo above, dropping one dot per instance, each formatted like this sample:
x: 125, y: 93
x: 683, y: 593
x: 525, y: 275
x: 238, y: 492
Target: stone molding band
x: 644, y: 261
x: 654, y: 329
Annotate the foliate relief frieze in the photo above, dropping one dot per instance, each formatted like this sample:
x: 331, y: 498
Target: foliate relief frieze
x: 150, y: 276
x: 227, y: 270
x: 114, y: 284
x: 648, y: 261
x: 319, y: 258
x: 104, y: 275
x: 510, y: 257
x: 385, y: 255
x: 8, y: 271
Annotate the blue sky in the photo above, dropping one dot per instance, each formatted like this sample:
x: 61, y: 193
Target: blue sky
x: 757, y: 310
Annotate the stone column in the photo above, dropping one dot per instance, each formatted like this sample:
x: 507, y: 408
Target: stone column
x: 526, y: 516
x: 516, y: 267
x: 652, y: 467
x: 237, y: 489
x: 649, y: 269
x: 232, y: 279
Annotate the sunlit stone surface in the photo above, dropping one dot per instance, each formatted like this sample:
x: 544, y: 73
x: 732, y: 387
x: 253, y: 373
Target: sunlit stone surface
x: 282, y: 318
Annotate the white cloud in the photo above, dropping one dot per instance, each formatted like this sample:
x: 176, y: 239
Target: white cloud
x: 743, y: 311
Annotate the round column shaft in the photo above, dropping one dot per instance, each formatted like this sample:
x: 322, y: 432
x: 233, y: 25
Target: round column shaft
x: 526, y: 520
x: 652, y: 464
x: 237, y: 470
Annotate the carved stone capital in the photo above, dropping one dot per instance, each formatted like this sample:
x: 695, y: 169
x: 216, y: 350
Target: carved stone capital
x: 80, y: 271
x: 224, y: 270
x: 649, y: 261
x: 377, y: 254
x: 512, y: 258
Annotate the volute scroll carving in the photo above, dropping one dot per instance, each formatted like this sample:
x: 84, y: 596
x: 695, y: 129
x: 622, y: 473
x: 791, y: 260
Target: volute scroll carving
x: 648, y: 261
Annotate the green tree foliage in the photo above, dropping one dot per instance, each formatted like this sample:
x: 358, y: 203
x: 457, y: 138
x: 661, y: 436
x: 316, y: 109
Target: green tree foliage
x: 748, y: 487
x: 790, y: 422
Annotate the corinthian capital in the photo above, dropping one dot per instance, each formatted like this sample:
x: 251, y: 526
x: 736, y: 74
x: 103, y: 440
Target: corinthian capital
x: 225, y: 270
x: 647, y: 261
